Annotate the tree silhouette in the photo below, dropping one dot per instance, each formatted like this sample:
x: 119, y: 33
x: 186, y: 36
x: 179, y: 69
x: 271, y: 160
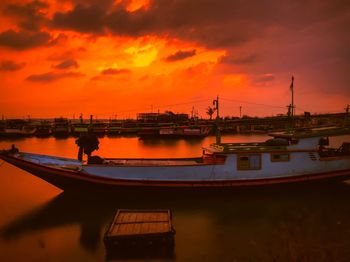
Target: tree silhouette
x: 210, y: 111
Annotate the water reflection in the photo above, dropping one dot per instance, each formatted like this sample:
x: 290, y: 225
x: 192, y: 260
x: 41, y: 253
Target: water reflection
x: 300, y: 223
x: 63, y: 210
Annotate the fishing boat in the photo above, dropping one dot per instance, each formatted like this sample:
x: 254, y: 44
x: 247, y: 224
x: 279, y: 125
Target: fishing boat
x: 61, y: 127
x: 114, y: 128
x: 79, y: 128
x: 18, y: 128
x: 288, y: 157
x: 189, y: 131
x: 99, y: 128
x: 43, y: 129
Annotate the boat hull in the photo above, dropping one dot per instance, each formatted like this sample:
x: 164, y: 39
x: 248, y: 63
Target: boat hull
x: 69, y: 180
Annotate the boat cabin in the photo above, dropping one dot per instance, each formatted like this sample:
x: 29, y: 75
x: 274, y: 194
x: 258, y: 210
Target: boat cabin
x: 280, y: 146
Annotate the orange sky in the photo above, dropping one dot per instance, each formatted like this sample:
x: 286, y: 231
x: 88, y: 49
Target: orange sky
x: 107, y: 58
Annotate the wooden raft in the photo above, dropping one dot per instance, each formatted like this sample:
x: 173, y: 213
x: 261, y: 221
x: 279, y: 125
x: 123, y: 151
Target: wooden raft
x: 142, y: 232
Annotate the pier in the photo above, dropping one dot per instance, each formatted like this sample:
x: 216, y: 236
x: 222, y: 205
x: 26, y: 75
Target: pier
x: 161, y: 125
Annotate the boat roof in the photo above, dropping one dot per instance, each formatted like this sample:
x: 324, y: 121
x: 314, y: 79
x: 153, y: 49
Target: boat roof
x: 243, y: 147
x: 312, y: 132
x: 307, y: 139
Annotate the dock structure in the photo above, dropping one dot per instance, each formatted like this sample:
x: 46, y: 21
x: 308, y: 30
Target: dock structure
x: 146, y: 126
x: 140, y: 233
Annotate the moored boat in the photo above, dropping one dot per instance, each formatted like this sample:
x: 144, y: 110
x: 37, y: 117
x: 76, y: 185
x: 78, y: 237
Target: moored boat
x: 285, y: 158
x: 61, y: 127
x: 80, y: 128
x: 114, y: 128
x: 175, y: 132
x: 129, y: 128
x: 18, y: 128
x: 99, y: 128
x: 43, y: 129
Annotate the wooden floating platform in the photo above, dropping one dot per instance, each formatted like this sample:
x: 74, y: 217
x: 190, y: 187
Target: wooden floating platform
x: 140, y: 233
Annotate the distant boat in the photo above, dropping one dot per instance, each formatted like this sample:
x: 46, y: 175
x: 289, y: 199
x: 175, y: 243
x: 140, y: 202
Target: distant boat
x: 114, y: 128
x: 285, y: 158
x: 175, y: 132
x: 43, y: 129
x: 61, y: 127
x: 79, y: 128
x: 99, y: 128
x: 129, y: 127
x: 18, y: 128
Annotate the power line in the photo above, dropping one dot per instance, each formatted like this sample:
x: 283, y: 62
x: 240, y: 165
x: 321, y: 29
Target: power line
x: 252, y: 103
x: 160, y: 106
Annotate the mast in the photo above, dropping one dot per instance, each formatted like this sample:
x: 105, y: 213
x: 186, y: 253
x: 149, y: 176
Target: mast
x: 347, y: 108
x: 292, y: 105
x: 216, y: 107
x: 90, y: 124
x: 292, y: 89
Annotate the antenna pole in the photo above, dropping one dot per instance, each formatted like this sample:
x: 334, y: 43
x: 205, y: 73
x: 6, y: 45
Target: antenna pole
x: 347, y: 108
x: 216, y: 106
x: 292, y: 89
x: 292, y: 104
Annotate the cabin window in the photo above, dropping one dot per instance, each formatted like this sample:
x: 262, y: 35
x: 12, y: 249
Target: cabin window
x: 280, y: 157
x: 249, y: 162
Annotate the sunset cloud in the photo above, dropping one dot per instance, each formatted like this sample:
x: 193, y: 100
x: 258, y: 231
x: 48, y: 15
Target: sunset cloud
x: 22, y: 40
x: 159, y: 50
x: 85, y: 19
x: 29, y: 15
x: 114, y: 71
x: 51, y: 76
x: 9, y: 65
x: 69, y: 63
x: 180, y: 55
x: 238, y: 60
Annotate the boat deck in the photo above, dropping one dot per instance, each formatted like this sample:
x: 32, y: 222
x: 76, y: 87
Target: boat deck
x: 153, y: 162
x: 245, y: 147
x: 52, y: 161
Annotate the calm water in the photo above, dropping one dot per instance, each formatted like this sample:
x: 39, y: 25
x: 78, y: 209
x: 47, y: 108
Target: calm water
x: 39, y: 222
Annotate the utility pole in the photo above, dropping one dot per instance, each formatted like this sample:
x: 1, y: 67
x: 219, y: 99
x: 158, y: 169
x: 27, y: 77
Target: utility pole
x: 240, y: 111
x: 292, y: 106
x: 216, y: 107
x: 347, y: 108
x: 90, y: 126
x: 292, y: 89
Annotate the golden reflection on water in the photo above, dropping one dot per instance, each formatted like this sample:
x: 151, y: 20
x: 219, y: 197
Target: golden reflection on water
x: 123, y: 146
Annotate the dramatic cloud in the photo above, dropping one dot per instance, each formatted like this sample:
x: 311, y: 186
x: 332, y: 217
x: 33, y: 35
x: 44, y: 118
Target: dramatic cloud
x: 239, y: 60
x: 30, y: 15
x: 22, y: 40
x: 186, y: 48
x: 180, y: 55
x: 83, y: 19
x: 263, y: 79
x: 9, y: 65
x: 69, y: 63
x: 214, y: 23
x: 50, y: 76
x: 114, y: 71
